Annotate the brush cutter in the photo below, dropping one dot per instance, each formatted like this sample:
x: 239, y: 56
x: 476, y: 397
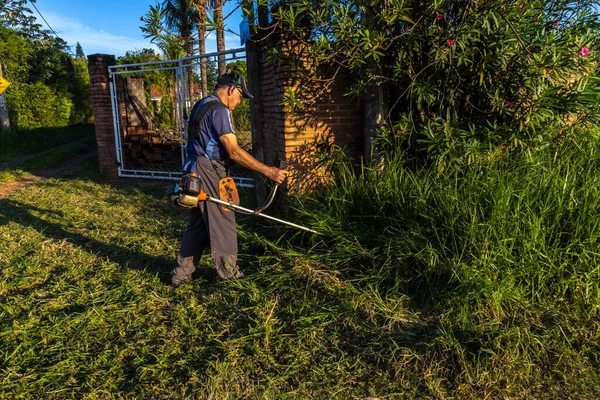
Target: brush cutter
x: 188, y: 193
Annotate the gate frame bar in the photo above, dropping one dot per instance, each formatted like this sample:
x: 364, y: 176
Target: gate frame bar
x: 180, y: 66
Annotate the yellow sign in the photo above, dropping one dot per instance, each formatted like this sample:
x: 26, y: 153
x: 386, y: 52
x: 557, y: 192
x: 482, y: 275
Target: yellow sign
x: 3, y: 84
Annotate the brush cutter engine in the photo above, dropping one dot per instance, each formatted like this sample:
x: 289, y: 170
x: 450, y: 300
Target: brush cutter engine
x: 188, y: 192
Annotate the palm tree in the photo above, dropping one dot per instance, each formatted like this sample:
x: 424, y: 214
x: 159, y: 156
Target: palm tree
x: 202, y: 24
x: 171, y: 46
x: 180, y: 17
x: 183, y: 17
x: 220, y: 25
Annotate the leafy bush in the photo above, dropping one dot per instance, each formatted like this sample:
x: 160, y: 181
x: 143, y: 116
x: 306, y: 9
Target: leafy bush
x: 61, y: 84
x: 241, y: 116
x: 37, y: 105
x: 463, y: 78
x: 14, y: 53
x: 80, y: 88
x: 165, y: 110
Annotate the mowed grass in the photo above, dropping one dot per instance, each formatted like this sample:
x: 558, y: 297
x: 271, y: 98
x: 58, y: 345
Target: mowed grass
x: 476, y: 283
x: 41, y: 149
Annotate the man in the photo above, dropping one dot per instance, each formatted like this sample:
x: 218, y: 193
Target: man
x: 211, y: 147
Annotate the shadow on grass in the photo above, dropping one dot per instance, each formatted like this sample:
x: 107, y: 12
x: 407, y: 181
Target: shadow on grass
x: 24, y: 214
x: 27, y: 142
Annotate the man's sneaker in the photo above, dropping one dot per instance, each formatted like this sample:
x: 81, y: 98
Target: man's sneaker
x: 176, y: 282
x: 238, y: 275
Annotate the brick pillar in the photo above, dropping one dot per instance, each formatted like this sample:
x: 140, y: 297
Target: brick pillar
x: 100, y: 90
x: 333, y: 119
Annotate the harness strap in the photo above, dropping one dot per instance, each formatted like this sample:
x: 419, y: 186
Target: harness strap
x: 197, y: 116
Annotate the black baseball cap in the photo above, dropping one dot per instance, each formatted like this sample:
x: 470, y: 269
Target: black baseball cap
x: 233, y: 79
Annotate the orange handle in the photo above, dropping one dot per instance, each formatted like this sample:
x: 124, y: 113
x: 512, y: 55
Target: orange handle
x: 202, y: 196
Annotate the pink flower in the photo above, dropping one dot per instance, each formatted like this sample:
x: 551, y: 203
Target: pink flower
x: 521, y: 5
x: 439, y: 17
x: 584, y: 51
x: 450, y: 42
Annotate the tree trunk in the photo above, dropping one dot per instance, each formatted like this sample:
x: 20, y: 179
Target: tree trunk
x: 220, y: 34
x: 189, y: 72
x: 374, y: 110
x: 201, y: 20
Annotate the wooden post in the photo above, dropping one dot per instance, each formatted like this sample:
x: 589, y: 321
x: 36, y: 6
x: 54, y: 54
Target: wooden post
x: 4, y: 120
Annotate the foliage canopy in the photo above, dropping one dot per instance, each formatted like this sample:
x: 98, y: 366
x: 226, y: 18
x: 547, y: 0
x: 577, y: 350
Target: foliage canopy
x: 463, y: 78
x: 49, y: 87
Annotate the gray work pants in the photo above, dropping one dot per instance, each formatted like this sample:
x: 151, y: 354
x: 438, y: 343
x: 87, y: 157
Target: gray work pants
x: 209, y: 226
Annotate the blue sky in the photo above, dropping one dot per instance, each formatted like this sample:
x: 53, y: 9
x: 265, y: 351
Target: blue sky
x: 111, y: 26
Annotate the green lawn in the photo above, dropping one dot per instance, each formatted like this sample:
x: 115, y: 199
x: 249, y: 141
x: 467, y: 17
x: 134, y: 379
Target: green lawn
x: 476, y: 283
x: 46, y: 159
x: 86, y: 311
x: 49, y: 147
x: 19, y: 143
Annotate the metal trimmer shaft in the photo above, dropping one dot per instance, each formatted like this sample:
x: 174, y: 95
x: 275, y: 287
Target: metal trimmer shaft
x: 257, y: 213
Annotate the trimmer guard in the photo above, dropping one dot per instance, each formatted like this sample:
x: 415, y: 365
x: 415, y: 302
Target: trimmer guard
x: 228, y: 192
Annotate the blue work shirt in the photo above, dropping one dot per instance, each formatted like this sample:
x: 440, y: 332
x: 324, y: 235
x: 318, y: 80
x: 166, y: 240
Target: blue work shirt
x: 215, y: 124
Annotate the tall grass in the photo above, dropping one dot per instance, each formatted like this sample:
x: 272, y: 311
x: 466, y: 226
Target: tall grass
x: 501, y: 257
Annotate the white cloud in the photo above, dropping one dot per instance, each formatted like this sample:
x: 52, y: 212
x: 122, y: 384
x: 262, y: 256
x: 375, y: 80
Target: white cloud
x: 99, y: 41
x: 92, y: 40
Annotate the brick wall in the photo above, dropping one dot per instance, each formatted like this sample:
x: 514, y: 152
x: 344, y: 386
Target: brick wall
x: 296, y: 137
x: 101, y: 104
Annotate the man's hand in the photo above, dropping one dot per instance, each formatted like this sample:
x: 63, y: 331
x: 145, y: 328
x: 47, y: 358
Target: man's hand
x: 276, y: 174
x: 242, y: 157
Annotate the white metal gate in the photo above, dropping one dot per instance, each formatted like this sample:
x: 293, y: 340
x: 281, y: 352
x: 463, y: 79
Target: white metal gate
x: 184, y: 102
